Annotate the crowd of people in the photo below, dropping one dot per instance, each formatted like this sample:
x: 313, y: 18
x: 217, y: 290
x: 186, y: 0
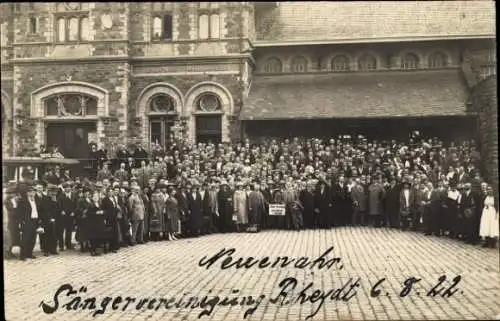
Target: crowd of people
x: 189, y: 190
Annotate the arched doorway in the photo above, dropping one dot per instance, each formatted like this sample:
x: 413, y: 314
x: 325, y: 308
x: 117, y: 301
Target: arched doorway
x: 73, y: 135
x: 208, y: 118
x: 208, y: 107
x: 70, y: 115
x: 158, y: 109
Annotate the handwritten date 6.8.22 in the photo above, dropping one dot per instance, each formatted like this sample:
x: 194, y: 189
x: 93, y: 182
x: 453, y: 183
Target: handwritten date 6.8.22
x: 442, y: 287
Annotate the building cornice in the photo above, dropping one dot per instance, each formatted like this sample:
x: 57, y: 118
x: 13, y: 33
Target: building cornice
x: 89, y: 59
x: 270, y: 43
x: 97, y: 59
x: 205, y: 59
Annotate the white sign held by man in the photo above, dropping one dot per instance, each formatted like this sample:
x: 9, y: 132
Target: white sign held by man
x: 277, y: 209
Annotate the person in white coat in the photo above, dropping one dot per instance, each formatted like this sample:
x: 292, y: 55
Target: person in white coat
x: 488, y: 228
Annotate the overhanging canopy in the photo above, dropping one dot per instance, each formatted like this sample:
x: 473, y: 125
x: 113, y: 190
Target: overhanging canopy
x: 357, y: 95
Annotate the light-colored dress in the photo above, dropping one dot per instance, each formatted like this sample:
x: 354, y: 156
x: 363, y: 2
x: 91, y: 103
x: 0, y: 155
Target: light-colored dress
x: 241, y: 207
x: 156, y: 219
x: 489, y: 220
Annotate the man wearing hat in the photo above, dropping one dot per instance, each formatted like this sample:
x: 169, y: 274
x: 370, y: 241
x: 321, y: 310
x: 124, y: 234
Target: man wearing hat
x: 226, y: 207
x: 406, y: 206
x: 182, y: 200
x: 50, y: 209
x: 66, y: 220
x: 195, y: 205
x: 28, y: 210
x: 137, y: 210
x: 392, y: 197
x: 111, y: 208
x: 12, y: 236
x: 468, y: 213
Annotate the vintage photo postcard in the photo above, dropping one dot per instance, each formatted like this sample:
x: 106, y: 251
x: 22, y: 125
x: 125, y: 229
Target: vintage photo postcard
x: 250, y: 160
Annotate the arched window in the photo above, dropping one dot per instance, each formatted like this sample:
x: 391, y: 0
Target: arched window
x: 367, y: 62
x: 299, y: 64
x: 161, y: 103
x: 437, y: 60
x: 340, y: 63
x: 273, y: 65
x: 71, y: 104
x: 208, y: 102
x: 409, y: 61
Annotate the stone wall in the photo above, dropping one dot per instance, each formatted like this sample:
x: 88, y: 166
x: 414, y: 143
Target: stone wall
x: 183, y: 84
x: 388, y: 55
x: 484, y: 100
x: 112, y: 77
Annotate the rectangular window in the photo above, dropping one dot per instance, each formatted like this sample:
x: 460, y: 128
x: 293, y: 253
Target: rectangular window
x: 160, y: 130
x: 61, y: 29
x: 156, y: 132
x: 162, y: 26
x: 214, y: 26
x: 208, y: 20
x: 203, y: 27
x: 33, y: 25
x: 167, y: 27
x: 73, y: 28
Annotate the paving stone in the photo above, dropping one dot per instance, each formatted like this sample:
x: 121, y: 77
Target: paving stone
x: 170, y: 270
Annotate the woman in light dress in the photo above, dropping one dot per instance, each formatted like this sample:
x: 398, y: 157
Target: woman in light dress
x: 240, y: 207
x: 156, y: 218
x: 488, y: 228
x: 171, y: 215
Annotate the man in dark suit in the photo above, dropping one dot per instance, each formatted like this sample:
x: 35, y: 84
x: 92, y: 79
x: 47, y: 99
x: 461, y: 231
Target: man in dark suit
x: 392, y: 203
x: 467, y: 214
x: 182, y: 199
x: 110, y: 206
x: 306, y: 197
x: 225, y: 200
x: 406, y: 206
x: 66, y: 220
x: 29, y: 212
x: 206, y: 213
x: 48, y: 240
x: 359, y: 199
x: 323, y: 205
x: 340, y: 200
x: 195, y: 205
x: 11, y: 221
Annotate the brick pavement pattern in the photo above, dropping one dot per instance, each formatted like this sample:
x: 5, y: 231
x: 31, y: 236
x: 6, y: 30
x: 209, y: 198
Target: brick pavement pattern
x: 170, y: 269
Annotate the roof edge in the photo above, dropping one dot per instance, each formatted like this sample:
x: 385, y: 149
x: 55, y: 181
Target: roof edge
x: 264, y: 118
x: 273, y: 43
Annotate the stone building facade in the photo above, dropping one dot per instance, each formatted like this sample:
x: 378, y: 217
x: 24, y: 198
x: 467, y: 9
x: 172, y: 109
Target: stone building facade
x: 137, y: 73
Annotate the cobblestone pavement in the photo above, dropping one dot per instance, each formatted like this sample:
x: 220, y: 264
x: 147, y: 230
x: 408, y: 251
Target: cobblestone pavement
x: 170, y: 270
